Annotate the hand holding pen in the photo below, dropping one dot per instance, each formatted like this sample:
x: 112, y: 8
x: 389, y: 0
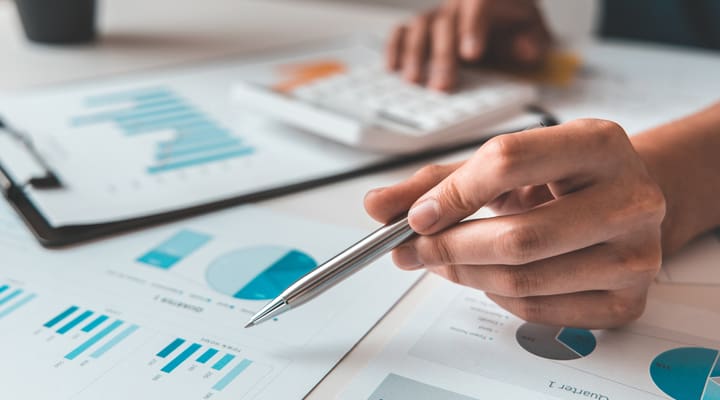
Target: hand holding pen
x: 577, y: 238
x: 576, y: 241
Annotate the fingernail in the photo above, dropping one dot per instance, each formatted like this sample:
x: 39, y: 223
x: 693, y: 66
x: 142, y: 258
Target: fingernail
x: 424, y: 215
x: 406, y: 257
x: 470, y: 47
x: 374, y: 191
x: 411, y: 72
x: 440, y: 83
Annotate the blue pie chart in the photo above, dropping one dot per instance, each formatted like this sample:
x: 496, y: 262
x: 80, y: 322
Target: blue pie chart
x: 258, y: 273
x: 688, y: 373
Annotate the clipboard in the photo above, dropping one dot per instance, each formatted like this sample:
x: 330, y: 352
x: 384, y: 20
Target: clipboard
x: 39, y: 175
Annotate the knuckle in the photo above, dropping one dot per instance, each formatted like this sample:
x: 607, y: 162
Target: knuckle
x: 503, y: 151
x: 645, y: 260
x: 624, y: 311
x: 515, y: 282
x: 519, y: 244
x: 649, y: 202
x: 457, y: 199
x: 435, y: 250
x: 599, y: 126
x: 432, y: 172
x: 452, y: 275
x: 420, y: 21
x: 528, y: 310
x: 604, y: 133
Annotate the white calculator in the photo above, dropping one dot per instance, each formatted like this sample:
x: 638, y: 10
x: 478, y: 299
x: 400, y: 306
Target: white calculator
x: 344, y: 93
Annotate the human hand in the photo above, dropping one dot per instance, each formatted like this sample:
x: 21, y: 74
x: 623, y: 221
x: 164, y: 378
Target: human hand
x: 577, y: 239
x: 430, y: 46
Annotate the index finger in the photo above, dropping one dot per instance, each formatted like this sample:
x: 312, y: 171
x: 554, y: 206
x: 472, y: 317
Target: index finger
x: 571, y: 153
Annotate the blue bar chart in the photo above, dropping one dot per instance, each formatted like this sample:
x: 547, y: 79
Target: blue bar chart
x: 180, y: 352
x: 99, y: 333
x: 174, y: 249
x: 198, y: 139
x: 12, y: 299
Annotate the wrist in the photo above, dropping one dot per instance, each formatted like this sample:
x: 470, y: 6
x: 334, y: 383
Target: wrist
x: 656, y: 160
x: 682, y: 158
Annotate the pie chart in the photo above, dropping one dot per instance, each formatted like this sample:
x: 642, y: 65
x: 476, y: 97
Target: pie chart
x: 688, y: 373
x: 258, y: 273
x: 555, y: 343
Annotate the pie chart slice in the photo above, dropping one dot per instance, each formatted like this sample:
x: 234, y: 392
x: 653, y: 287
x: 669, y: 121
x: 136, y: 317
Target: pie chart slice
x: 712, y: 391
x: 555, y: 343
x: 688, y: 373
x: 258, y: 273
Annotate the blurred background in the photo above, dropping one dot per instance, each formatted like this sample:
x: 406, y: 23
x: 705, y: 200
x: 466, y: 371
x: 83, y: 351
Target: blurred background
x: 568, y: 18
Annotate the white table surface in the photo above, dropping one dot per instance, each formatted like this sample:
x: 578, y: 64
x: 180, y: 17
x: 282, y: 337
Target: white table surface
x: 139, y: 34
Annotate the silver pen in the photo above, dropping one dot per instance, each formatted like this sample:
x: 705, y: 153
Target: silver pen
x: 336, y: 269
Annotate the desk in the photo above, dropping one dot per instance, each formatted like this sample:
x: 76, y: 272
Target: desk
x: 139, y: 34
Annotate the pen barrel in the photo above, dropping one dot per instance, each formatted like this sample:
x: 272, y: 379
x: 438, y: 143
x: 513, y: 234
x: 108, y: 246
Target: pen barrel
x: 354, y: 258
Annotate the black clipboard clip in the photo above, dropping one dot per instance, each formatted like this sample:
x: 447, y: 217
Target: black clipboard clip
x: 45, y: 179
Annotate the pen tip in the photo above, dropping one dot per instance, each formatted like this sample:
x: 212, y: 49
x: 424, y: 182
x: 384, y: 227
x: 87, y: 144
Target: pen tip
x: 250, y: 324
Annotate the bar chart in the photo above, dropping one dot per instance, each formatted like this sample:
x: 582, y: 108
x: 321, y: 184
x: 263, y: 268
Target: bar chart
x: 12, y: 299
x: 180, y: 352
x: 198, y: 139
x: 174, y: 249
x: 99, y: 332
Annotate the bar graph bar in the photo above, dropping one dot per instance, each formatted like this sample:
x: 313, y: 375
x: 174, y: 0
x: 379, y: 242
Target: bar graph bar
x: 206, y: 356
x: 225, y: 360
x: 75, y: 322
x: 3, y: 288
x: 141, y: 94
x: 174, y: 249
x: 150, y: 110
x: 95, y: 323
x: 93, y: 340
x: 234, y: 373
x: 61, y: 317
x: 190, y: 162
x: 170, y: 348
x: 114, y: 341
x: 187, y: 353
x: 13, y: 307
x: 15, y: 293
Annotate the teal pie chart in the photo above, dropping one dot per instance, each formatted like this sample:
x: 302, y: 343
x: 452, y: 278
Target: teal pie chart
x: 554, y: 342
x: 258, y: 273
x: 688, y: 373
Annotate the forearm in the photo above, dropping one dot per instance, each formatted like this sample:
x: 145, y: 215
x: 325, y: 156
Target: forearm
x: 684, y: 157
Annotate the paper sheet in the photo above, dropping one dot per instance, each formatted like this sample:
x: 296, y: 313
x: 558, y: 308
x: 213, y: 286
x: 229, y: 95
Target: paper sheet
x: 460, y: 342
x: 160, y: 314
x: 696, y: 264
